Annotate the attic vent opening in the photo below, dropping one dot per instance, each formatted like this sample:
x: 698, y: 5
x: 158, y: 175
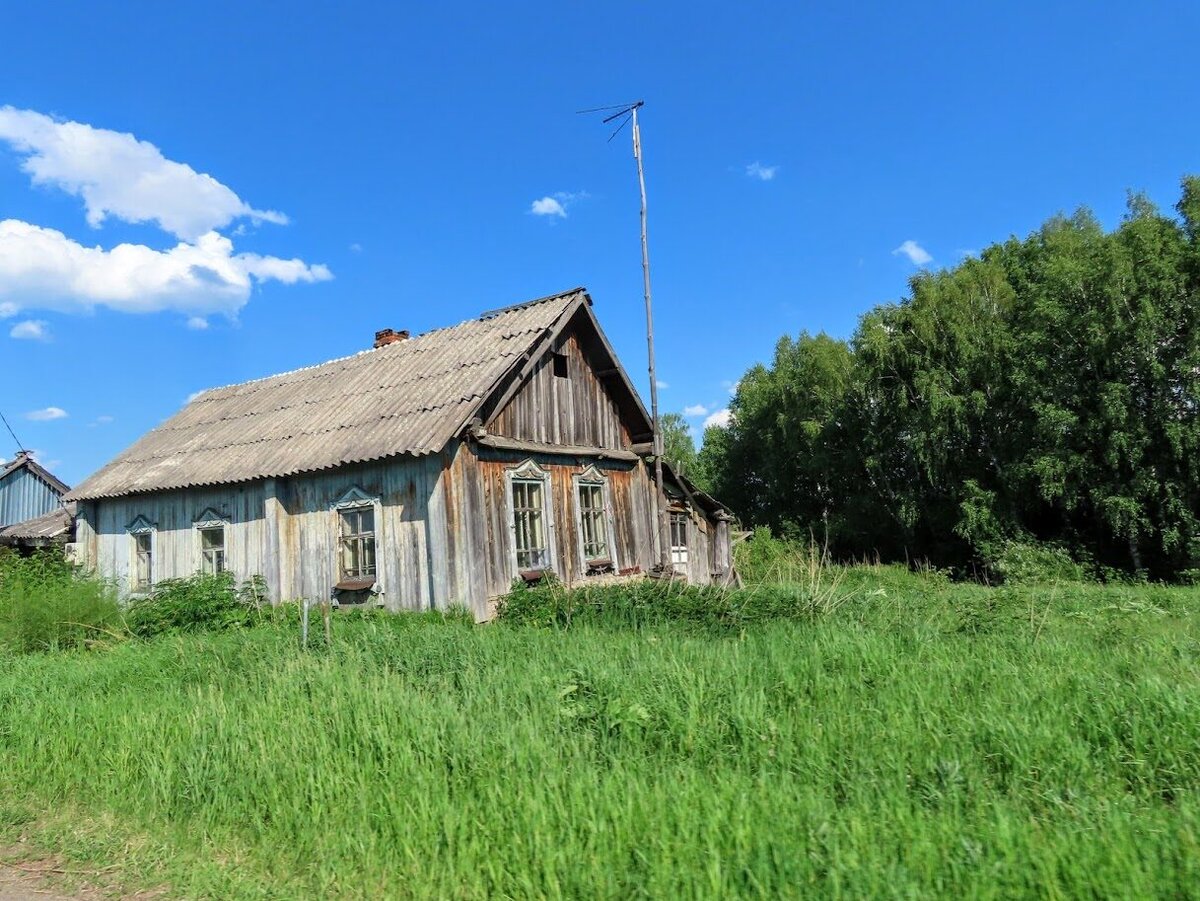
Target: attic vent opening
x: 560, y: 365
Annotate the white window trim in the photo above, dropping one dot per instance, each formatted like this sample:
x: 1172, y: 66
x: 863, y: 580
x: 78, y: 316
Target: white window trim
x: 593, y: 476
x: 356, y: 499
x: 141, y: 526
x: 685, y: 565
x: 529, y: 471
x: 210, y: 519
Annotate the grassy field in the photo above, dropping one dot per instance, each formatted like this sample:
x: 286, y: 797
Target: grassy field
x: 896, y: 736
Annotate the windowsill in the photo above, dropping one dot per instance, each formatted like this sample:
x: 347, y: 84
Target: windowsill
x: 599, y: 567
x: 355, y: 584
x: 533, y: 576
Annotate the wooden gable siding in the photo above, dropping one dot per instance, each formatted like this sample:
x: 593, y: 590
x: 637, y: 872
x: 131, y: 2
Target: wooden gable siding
x: 576, y: 410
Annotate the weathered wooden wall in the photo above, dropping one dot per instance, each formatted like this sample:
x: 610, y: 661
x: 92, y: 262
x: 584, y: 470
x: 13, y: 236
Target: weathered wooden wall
x: 103, y: 542
x: 23, y: 496
x: 482, y: 527
x: 443, y: 534
x: 574, y: 410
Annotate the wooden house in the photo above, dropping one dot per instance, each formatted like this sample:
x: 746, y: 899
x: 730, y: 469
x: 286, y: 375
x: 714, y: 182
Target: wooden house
x: 426, y: 472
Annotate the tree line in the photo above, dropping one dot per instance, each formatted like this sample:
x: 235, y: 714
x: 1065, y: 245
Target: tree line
x: 1043, y: 395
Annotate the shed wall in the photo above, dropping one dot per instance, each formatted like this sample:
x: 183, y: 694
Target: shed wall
x: 23, y: 495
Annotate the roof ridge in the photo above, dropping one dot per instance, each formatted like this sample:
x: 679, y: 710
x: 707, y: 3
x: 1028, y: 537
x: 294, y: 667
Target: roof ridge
x: 485, y: 317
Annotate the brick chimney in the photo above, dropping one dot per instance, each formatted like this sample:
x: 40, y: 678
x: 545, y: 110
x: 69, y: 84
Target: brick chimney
x: 387, y: 336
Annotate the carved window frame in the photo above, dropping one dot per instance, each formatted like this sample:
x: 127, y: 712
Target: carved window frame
x: 594, y: 477
x: 530, y: 473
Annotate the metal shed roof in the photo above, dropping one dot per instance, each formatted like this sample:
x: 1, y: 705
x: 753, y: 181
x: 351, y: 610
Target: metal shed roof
x: 411, y: 397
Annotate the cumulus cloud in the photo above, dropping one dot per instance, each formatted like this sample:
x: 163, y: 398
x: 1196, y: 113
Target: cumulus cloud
x: 8, y: 310
x: 42, y: 267
x: 117, y: 175
x: 719, y: 418
x: 31, y: 330
x: 556, y: 205
x: 197, y: 323
x: 761, y: 172
x: 661, y: 385
x: 47, y: 414
x: 548, y: 206
x: 917, y: 255
x: 695, y: 410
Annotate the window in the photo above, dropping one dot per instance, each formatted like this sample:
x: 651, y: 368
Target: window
x: 679, y: 544
x: 530, y: 523
x: 593, y: 527
x: 593, y: 520
x: 357, y: 543
x: 212, y: 550
x: 144, y: 561
x: 141, y: 564
x: 210, y: 532
x: 560, y: 365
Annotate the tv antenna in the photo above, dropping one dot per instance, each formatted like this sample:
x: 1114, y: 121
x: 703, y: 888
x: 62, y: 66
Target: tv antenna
x: 628, y: 112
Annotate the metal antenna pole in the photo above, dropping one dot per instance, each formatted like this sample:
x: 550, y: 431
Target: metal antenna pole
x: 664, y: 546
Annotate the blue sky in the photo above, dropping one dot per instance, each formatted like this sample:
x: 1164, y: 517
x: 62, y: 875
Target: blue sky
x: 374, y: 166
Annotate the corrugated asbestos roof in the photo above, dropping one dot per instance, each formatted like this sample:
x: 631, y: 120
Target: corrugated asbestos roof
x: 49, y: 526
x: 411, y: 397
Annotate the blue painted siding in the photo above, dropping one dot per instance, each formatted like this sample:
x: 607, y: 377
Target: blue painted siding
x: 23, y: 496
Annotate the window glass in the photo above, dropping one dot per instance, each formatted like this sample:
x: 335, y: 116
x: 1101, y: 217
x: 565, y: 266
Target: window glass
x: 357, y: 542
x: 143, y: 561
x: 528, y: 526
x: 679, y: 548
x: 593, y: 524
x: 212, y: 550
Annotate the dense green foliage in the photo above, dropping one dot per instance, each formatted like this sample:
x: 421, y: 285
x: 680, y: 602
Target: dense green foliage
x: 197, y: 604
x: 678, y: 447
x: 920, y: 739
x: 1044, y: 394
x: 44, y: 606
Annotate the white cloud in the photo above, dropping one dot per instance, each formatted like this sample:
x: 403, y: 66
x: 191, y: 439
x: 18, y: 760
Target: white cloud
x: 197, y: 323
x: 44, y: 268
x: 719, y: 418
x: 117, y: 175
x: 761, y: 172
x: 661, y: 385
x: 8, y: 310
x: 191, y: 397
x: 31, y: 330
x: 100, y: 420
x: 729, y: 386
x: 695, y: 410
x: 548, y: 206
x: 557, y: 204
x: 356, y: 247
x: 916, y: 254
x: 47, y: 414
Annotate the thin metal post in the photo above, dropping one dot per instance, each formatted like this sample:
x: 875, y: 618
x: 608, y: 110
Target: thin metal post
x: 660, y: 499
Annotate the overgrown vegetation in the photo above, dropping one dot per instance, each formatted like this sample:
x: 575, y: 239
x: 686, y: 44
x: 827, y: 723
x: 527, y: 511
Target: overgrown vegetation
x: 1043, y: 395
x: 916, y: 738
x: 44, y: 606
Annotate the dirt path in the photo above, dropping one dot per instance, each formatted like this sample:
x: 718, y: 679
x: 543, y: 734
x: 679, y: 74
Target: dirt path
x: 34, y: 880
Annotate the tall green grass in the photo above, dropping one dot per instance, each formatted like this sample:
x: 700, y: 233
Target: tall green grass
x: 919, y: 739
x: 45, y: 606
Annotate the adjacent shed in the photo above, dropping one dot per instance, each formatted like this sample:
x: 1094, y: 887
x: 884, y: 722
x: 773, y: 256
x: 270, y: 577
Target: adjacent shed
x: 426, y: 472
x: 28, y: 490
